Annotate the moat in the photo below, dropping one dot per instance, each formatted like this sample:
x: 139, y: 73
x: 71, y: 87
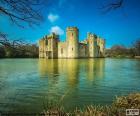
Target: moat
x: 27, y: 84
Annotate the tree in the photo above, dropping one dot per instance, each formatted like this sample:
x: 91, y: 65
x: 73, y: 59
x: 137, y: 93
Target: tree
x: 22, y: 11
x: 112, y: 6
x: 119, y: 51
x: 2, y: 51
x: 16, y: 48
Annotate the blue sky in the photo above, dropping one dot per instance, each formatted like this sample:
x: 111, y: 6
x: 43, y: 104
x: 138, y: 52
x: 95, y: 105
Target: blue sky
x: 121, y: 26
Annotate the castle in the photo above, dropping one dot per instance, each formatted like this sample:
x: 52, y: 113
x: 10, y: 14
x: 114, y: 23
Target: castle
x: 51, y: 47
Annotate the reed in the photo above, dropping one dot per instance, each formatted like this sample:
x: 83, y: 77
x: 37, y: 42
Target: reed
x: 117, y: 108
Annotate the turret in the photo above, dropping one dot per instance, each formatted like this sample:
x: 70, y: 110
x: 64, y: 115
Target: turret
x: 72, y: 42
x: 52, y: 46
x: 42, y: 47
x: 102, y: 47
x: 92, y: 45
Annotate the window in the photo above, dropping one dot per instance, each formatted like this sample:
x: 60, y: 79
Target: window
x: 72, y: 49
x: 61, y: 50
x: 72, y: 34
x: 46, y: 42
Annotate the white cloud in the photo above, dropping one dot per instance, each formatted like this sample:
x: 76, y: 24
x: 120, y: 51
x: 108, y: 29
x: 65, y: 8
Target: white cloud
x: 52, y: 17
x: 57, y: 30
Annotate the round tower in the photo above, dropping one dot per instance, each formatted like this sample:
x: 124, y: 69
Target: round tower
x: 72, y: 42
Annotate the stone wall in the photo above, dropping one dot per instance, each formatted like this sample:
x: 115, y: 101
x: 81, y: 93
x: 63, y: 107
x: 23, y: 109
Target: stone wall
x: 62, y: 50
x: 83, y: 51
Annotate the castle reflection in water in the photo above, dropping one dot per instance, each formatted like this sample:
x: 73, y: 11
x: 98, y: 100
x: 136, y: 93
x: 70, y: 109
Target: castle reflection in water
x: 71, y: 70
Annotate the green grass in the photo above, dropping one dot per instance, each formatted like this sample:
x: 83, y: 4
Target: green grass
x: 117, y: 108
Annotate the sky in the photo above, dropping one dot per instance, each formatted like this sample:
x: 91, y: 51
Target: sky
x: 120, y: 26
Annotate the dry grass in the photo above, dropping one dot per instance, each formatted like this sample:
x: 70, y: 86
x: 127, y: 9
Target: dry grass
x: 117, y: 108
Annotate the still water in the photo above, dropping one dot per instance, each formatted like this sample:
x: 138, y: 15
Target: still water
x: 27, y: 84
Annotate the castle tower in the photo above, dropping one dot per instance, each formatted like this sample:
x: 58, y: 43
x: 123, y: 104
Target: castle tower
x: 92, y: 45
x: 102, y: 47
x: 42, y: 47
x: 99, y: 47
x: 52, y: 46
x: 72, y: 42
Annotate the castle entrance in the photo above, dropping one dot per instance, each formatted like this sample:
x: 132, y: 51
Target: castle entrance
x: 48, y: 54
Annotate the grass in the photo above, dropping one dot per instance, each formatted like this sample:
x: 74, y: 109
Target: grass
x: 117, y: 108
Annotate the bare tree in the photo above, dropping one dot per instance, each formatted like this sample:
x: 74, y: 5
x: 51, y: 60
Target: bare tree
x: 136, y: 47
x: 19, y: 11
x: 16, y: 48
x: 112, y: 6
x: 3, y: 39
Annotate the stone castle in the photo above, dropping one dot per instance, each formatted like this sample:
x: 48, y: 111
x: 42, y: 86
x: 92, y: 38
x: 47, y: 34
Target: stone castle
x: 51, y: 47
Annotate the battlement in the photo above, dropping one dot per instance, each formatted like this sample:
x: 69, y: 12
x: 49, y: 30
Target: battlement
x: 42, y: 39
x: 72, y: 29
x: 91, y: 35
x: 53, y: 35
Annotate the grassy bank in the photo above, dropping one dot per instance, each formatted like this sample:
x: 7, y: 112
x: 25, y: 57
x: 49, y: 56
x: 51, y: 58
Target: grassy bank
x: 117, y: 108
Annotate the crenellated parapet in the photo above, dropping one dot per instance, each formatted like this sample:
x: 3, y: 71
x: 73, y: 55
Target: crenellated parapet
x: 53, y: 35
x: 72, y: 29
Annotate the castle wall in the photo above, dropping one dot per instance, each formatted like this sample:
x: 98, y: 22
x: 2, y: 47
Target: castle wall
x: 62, y: 50
x: 83, y: 51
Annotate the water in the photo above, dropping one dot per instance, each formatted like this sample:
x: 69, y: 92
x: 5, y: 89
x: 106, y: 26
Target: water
x: 27, y: 84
